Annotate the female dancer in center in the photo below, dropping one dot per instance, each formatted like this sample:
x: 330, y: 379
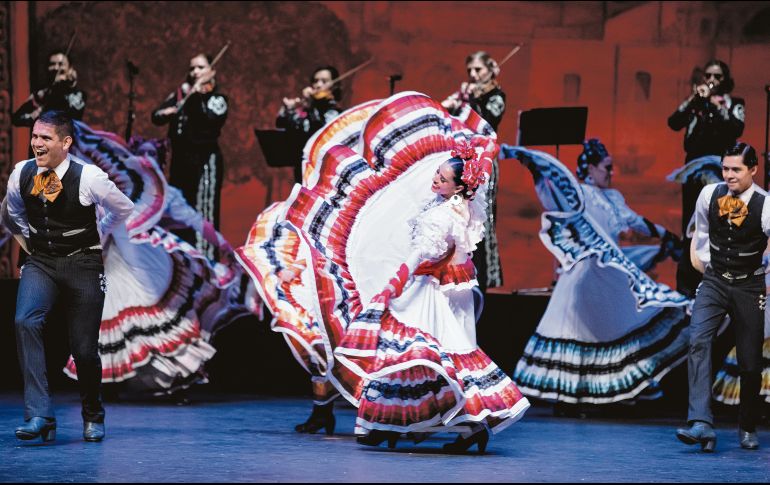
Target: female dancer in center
x: 389, y: 229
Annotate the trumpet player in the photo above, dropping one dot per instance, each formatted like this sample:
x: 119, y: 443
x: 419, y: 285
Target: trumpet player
x: 713, y: 120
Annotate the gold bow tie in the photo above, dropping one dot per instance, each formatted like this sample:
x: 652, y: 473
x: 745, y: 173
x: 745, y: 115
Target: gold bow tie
x: 48, y: 184
x: 734, y: 208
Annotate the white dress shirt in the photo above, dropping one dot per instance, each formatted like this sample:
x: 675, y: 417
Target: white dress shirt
x: 701, y: 236
x: 95, y: 188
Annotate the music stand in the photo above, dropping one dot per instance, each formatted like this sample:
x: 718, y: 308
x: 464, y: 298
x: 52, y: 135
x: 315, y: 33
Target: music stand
x: 553, y: 126
x: 282, y: 149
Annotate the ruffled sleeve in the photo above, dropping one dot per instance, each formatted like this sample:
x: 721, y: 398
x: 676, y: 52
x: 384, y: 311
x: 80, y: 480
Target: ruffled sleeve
x: 447, y: 226
x: 432, y: 233
x: 475, y: 228
x: 630, y: 219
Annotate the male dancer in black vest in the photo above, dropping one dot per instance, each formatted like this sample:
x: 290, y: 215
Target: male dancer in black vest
x: 732, y: 228
x: 51, y: 202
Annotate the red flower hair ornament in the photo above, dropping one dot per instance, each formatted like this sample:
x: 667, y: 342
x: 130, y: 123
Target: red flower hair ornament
x: 473, y: 173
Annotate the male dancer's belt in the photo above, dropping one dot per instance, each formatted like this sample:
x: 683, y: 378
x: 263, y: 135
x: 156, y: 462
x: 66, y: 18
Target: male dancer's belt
x: 740, y: 276
x: 90, y: 249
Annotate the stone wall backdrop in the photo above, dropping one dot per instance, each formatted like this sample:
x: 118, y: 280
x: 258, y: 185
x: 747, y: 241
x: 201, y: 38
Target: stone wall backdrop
x: 629, y: 62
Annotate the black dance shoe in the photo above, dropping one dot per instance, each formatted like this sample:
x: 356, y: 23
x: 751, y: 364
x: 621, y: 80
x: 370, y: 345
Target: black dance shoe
x: 569, y: 410
x: 462, y: 445
x: 376, y: 437
x: 37, y: 426
x: 322, y: 417
x: 749, y: 439
x: 699, y: 432
x: 93, y: 431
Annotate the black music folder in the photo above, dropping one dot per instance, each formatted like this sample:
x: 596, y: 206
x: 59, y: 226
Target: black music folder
x: 281, y: 148
x: 553, y: 126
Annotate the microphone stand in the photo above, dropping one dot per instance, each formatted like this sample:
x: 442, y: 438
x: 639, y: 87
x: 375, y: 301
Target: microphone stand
x: 132, y: 71
x: 393, y: 78
x: 767, y: 136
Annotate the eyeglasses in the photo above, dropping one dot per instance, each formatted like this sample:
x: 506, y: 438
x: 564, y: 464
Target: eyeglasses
x: 715, y: 75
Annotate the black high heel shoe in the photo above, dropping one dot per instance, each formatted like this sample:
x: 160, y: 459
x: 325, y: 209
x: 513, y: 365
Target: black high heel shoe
x: 35, y: 427
x: 461, y: 445
x: 569, y: 410
x: 322, y: 417
x: 376, y: 437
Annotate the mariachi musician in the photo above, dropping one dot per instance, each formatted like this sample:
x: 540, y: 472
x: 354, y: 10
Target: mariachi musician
x: 482, y: 93
x: 196, y: 112
x: 317, y: 106
x: 62, y: 93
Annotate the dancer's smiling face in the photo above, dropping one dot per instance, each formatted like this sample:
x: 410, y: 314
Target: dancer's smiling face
x: 444, y: 181
x: 49, y: 145
x: 601, y: 173
x: 737, y: 175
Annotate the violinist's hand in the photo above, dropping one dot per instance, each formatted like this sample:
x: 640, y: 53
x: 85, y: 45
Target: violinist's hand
x: 36, y: 112
x: 308, y: 92
x: 168, y: 111
x: 67, y: 77
x: 72, y: 76
x: 201, y: 82
x: 453, y: 102
x: 39, y: 96
x: 291, y: 103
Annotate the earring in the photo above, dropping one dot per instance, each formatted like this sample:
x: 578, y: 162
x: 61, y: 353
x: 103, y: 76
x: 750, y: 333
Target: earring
x: 456, y: 199
x: 589, y: 180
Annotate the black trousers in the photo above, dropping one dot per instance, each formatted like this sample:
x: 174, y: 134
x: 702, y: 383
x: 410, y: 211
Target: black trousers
x: 79, y: 281
x: 486, y: 257
x: 744, y: 301
x: 687, y: 277
x: 198, y: 171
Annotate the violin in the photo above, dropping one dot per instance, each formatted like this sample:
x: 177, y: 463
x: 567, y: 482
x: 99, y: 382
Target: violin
x: 308, y: 97
x: 207, y: 87
x: 479, y: 89
x: 208, y: 84
x: 489, y: 82
x: 324, y: 93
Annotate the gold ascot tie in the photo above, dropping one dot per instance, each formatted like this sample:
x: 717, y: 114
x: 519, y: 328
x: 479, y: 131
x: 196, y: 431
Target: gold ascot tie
x: 734, y: 208
x: 48, y: 183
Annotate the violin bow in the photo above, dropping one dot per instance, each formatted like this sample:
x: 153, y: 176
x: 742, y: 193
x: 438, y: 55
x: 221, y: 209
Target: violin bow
x: 71, y: 43
x: 510, y: 54
x: 350, y: 72
x: 505, y: 59
x: 213, y: 63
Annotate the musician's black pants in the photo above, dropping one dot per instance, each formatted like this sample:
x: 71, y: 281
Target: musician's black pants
x: 198, y: 171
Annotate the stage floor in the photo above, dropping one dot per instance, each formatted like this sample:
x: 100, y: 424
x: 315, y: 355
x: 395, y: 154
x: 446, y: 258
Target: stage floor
x: 246, y: 439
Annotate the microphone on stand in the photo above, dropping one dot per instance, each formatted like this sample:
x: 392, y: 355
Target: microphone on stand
x: 133, y: 70
x: 767, y: 136
x: 393, y: 78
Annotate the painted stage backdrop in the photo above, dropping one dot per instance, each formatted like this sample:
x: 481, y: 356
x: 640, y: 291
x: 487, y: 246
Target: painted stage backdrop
x: 630, y: 63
